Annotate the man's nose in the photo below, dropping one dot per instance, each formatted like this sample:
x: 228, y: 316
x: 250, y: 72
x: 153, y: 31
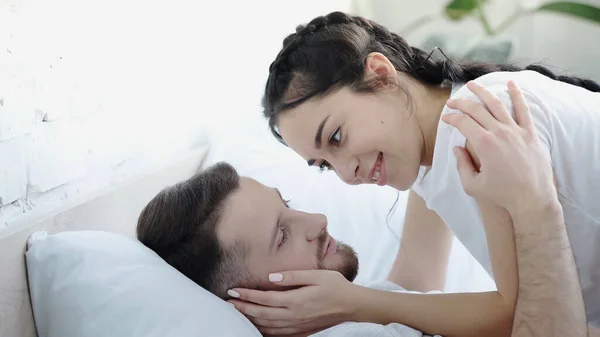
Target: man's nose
x: 315, y: 225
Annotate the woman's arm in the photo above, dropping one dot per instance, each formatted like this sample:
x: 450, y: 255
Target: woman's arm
x: 330, y: 299
x: 422, y: 260
x: 467, y: 314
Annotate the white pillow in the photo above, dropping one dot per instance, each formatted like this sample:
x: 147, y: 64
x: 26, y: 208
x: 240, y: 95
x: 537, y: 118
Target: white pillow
x: 100, y: 284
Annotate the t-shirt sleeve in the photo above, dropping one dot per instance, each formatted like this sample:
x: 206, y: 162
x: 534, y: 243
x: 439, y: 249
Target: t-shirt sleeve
x: 540, y: 115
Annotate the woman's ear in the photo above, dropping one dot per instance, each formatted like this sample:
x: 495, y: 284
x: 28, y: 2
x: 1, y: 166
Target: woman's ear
x: 379, y: 66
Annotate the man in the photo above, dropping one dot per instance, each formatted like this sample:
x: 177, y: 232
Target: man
x: 224, y: 231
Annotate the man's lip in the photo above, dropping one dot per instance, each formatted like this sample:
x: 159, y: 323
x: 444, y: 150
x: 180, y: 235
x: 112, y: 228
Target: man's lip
x: 327, y: 243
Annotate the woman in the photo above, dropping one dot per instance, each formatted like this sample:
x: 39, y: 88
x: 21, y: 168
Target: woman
x: 349, y: 96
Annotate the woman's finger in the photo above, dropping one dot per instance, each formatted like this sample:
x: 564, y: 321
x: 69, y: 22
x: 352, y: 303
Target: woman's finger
x: 475, y: 110
x: 261, y: 311
x: 522, y: 112
x: 269, y: 323
x: 492, y: 102
x: 267, y: 298
x: 277, y: 323
x: 301, y: 277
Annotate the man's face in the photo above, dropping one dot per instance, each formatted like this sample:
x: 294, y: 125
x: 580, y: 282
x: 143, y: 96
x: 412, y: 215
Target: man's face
x: 280, y: 238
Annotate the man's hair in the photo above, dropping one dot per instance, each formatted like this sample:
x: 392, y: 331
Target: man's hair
x: 180, y: 225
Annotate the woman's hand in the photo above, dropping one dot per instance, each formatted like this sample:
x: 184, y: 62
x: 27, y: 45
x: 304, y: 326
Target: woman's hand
x: 323, y: 299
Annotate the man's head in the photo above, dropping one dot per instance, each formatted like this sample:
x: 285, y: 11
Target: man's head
x: 225, y: 231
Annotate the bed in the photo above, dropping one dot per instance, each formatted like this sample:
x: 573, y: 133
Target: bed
x: 113, y: 210
x: 358, y: 215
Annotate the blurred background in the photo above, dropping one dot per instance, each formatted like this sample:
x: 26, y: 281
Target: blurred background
x: 93, y: 93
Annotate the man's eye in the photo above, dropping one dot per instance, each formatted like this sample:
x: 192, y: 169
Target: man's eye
x: 284, y: 235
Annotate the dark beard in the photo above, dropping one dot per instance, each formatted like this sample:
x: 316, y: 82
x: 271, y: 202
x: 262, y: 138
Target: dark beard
x: 349, y: 265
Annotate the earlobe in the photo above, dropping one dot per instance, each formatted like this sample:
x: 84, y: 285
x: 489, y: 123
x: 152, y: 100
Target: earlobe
x: 379, y: 66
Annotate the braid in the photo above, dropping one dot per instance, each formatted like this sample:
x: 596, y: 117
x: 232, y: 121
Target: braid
x: 435, y: 72
x: 580, y: 82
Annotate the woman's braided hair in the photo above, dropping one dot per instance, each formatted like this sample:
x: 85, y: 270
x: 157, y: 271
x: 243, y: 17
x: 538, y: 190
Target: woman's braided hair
x: 330, y: 52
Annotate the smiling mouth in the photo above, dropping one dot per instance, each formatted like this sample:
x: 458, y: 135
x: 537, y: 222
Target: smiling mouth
x: 376, y: 170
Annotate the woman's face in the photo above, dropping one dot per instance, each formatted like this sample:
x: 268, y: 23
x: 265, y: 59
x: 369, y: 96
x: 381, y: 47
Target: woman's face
x: 370, y: 138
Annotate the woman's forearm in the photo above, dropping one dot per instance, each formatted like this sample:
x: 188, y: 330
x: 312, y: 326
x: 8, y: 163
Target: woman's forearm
x: 449, y: 315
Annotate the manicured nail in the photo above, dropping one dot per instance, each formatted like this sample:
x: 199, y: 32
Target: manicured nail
x: 233, y: 305
x: 450, y: 101
x: 233, y: 293
x: 276, y: 277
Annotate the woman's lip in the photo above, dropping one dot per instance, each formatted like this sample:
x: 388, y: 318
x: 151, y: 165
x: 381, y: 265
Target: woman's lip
x: 380, y: 155
x: 383, y: 173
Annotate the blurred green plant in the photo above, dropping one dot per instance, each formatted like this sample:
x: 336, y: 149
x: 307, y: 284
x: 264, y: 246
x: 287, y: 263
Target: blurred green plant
x: 457, y: 10
x: 491, y: 47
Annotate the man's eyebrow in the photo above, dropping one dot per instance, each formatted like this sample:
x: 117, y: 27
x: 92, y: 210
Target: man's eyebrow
x: 276, y: 227
x: 318, y: 138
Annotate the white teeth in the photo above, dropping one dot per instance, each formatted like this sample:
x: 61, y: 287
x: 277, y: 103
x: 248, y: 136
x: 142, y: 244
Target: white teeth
x: 376, y: 175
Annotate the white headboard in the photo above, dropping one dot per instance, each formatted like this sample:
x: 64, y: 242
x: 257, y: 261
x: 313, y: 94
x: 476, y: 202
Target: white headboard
x: 115, y: 210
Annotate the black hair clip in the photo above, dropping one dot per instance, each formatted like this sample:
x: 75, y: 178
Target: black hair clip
x: 441, y: 51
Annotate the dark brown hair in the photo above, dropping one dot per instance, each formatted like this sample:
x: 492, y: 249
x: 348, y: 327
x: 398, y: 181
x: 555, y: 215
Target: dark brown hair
x: 330, y: 52
x: 180, y: 223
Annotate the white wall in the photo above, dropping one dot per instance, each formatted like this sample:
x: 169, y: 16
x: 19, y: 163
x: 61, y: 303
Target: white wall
x: 569, y: 45
x: 93, y: 93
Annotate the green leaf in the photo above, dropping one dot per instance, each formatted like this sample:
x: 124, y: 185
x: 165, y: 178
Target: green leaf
x: 582, y: 11
x: 458, y: 9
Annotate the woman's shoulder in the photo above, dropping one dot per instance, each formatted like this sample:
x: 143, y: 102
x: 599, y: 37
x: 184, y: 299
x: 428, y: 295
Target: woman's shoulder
x: 497, y: 82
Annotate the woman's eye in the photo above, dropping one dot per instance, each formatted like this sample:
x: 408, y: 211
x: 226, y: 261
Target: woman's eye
x: 336, y: 137
x: 324, y: 166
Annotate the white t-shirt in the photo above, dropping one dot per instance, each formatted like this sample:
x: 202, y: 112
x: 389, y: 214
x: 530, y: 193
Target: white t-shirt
x: 567, y: 119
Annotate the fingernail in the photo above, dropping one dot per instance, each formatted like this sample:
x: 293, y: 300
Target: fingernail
x: 450, y: 101
x: 233, y: 293
x: 233, y: 305
x: 276, y: 277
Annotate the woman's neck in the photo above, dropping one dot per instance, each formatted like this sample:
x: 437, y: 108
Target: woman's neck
x: 430, y: 101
